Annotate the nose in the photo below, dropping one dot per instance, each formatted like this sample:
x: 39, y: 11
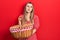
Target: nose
x: 29, y: 7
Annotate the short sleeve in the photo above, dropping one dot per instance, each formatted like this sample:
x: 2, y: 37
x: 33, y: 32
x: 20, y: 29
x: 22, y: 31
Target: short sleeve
x: 36, y: 22
x: 20, y: 17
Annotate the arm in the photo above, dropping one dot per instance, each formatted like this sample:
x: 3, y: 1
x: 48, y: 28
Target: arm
x: 19, y: 21
x: 36, y: 24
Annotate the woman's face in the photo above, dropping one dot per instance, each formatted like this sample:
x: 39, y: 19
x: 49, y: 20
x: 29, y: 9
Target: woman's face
x: 29, y: 7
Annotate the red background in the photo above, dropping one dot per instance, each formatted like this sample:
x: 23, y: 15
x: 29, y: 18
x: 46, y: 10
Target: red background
x: 47, y: 10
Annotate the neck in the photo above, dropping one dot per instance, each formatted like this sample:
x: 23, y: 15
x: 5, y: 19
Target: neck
x: 27, y: 16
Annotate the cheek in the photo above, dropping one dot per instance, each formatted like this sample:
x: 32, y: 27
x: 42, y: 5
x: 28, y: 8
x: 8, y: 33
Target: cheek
x: 27, y: 8
x: 30, y: 9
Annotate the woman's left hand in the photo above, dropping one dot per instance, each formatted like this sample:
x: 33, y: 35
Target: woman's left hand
x: 34, y: 30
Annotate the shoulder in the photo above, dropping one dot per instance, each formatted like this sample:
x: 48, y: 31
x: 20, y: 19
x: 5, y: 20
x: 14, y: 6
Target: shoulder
x: 20, y: 16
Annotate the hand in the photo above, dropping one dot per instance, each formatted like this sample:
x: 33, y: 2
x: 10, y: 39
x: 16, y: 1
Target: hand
x: 34, y: 30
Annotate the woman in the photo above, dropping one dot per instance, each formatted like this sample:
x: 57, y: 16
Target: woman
x: 28, y: 18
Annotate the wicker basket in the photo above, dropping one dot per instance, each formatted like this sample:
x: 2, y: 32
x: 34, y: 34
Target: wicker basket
x: 21, y: 33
